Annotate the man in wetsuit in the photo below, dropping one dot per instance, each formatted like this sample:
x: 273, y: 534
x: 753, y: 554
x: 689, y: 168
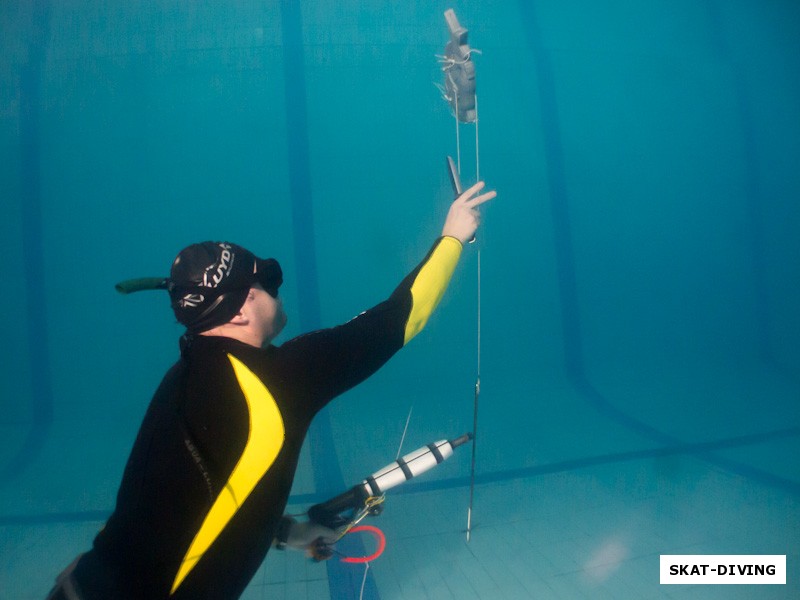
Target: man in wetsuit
x: 204, y: 490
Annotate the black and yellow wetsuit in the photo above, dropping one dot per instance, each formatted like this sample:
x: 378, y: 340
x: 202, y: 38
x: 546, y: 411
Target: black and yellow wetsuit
x: 211, y: 470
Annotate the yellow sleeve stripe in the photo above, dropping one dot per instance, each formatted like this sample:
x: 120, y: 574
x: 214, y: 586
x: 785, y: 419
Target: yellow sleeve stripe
x: 265, y: 440
x: 431, y: 283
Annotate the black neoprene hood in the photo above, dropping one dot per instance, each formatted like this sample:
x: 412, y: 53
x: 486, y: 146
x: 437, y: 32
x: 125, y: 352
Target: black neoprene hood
x: 209, y: 282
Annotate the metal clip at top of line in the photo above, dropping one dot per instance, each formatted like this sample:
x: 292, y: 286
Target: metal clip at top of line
x: 460, y: 92
x: 459, y: 83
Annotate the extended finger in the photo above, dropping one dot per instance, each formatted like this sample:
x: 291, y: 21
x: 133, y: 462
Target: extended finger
x: 466, y: 194
x: 478, y: 200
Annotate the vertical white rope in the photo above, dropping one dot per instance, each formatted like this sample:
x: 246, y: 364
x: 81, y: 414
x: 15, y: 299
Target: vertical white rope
x: 475, y: 412
x: 477, y: 151
x: 364, y: 581
x: 405, y: 429
x: 477, y: 384
x: 478, y: 374
x: 458, y: 137
x: 478, y: 178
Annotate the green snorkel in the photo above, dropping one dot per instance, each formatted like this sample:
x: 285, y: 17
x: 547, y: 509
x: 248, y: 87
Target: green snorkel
x: 142, y: 284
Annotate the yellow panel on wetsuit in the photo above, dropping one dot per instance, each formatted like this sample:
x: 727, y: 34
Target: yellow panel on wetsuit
x: 264, y: 442
x: 430, y: 284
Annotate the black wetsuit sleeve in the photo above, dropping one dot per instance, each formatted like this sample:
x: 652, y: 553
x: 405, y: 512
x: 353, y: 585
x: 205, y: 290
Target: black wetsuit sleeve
x: 331, y: 361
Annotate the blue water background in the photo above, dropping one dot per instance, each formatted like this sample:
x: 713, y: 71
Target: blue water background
x: 640, y: 269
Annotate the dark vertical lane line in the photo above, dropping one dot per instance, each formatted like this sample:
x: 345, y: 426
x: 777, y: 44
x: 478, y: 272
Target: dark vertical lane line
x: 564, y: 247
x: 559, y: 208
x: 752, y: 180
x: 299, y: 167
x: 565, y: 259
x: 344, y: 581
x: 41, y: 386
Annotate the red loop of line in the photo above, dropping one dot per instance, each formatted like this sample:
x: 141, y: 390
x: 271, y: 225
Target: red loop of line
x: 379, y: 537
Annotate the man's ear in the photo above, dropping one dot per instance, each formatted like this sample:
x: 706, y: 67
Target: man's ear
x: 239, y: 318
x: 242, y: 317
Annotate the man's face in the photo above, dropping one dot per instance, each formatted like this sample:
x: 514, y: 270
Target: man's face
x: 266, y: 313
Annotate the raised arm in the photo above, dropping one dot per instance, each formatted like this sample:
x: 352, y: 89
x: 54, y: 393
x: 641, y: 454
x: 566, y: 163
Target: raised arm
x: 339, y: 358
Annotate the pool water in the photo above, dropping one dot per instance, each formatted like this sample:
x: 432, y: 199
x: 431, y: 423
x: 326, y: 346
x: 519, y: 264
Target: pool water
x: 630, y: 304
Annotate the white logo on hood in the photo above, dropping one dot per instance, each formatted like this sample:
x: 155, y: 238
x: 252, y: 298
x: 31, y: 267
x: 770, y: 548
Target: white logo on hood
x: 191, y: 300
x: 219, y: 271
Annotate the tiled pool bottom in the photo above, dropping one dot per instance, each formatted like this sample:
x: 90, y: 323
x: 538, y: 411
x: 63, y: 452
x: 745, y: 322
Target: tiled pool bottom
x: 587, y: 533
